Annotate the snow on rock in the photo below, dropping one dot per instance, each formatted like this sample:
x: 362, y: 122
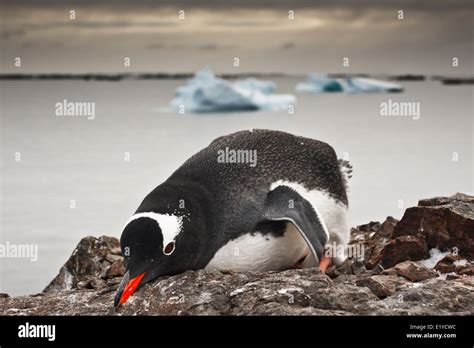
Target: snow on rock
x: 435, y: 256
x: 207, y: 93
x: 460, y: 263
x: 318, y: 83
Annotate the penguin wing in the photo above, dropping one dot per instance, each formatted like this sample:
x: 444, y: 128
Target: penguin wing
x: 285, y: 204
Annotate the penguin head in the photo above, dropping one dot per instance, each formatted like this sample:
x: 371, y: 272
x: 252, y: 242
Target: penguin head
x: 154, y: 245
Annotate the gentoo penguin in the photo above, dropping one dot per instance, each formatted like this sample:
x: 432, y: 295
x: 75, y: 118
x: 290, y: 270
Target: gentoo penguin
x: 251, y: 201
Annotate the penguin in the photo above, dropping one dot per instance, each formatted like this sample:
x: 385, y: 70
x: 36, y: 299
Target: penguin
x: 258, y: 200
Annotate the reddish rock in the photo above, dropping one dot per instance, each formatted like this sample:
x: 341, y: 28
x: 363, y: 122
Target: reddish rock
x: 455, y: 264
x: 378, y: 241
x: 444, y: 222
x: 386, y: 229
x: 404, y: 248
x: 469, y: 271
x: 412, y: 271
x: 375, y: 256
x: 446, y: 265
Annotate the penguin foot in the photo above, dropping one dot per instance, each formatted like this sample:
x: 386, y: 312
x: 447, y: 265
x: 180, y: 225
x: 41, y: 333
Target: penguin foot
x: 324, y: 263
x: 299, y: 263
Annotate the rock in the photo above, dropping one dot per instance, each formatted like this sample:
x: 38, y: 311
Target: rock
x: 349, y: 266
x: 404, y: 248
x: 91, y: 259
x: 446, y: 265
x: 381, y: 285
x: 435, y: 296
x: 386, y: 229
x: 372, y: 226
x: 412, y: 271
x: 292, y: 292
x: 113, y: 258
x: 444, y: 222
x: 379, y: 240
x: 87, y: 282
x: 467, y: 271
x: 455, y: 264
x: 117, y: 269
x: 452, y: 276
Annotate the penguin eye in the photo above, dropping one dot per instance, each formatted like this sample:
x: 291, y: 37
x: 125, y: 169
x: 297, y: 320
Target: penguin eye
x: 169, y: 248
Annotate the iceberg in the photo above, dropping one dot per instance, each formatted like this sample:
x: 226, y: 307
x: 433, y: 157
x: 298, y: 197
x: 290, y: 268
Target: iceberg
x: 364, y: 85
x: 207, y: 93
x: 318, y: 83
x: 322, y: 83
x: 266, y: 87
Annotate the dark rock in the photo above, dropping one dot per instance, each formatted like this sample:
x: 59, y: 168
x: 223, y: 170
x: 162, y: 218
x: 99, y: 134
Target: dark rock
x: 404, y: 248
x: 90, y: 260
x: 372, y: 226
x: 444, y: 222
x: 117, y: 269
x: 452, y: 276
x: 412, y: 271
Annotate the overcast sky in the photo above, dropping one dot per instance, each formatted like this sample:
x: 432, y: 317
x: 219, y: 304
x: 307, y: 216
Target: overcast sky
x: 258, y: 32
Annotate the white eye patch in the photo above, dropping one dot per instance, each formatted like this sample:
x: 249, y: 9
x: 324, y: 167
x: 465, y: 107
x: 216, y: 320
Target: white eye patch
x: 170, y: 225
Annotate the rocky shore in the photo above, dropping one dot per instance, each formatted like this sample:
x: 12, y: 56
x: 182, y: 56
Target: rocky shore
x: 420, y: 265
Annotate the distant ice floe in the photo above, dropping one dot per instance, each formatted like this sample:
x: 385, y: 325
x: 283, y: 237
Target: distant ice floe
x: 364, y: 85
x: 207, y: 93
x: 322, y: 83
x: 319, y: 83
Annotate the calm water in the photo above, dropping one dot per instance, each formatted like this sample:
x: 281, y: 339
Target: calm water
x: 72, y: 158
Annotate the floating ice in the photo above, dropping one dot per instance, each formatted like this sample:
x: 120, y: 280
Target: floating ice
x: 364, y: 85
x: 207, y: 93
x: 322, y: 83
x: 318, y: 83
x: 266, y: 87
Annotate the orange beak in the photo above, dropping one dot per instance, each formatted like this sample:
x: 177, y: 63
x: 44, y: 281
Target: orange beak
x: 129, y: 288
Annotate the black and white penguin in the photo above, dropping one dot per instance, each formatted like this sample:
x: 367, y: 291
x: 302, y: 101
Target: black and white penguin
x: 251, y: 201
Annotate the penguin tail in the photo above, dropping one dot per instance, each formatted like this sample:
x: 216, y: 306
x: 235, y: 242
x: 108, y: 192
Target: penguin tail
x: 346, y: 170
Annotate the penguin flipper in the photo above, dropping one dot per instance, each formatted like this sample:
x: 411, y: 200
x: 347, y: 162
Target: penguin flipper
x: 285, y: 204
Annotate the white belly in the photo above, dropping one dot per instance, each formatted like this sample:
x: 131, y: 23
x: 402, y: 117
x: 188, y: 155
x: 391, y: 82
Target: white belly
x: 260, y: 253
